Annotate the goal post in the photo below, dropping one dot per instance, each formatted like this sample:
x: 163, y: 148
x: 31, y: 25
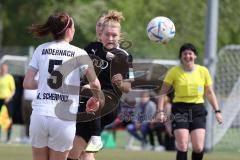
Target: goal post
x: 227, y: 89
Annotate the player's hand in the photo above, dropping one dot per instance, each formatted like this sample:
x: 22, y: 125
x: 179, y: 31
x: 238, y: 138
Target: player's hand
x: 219, y: 118
x: 117, y: 79
x: 92, y: 105
x: 7, y: 100
x: 161, y: 117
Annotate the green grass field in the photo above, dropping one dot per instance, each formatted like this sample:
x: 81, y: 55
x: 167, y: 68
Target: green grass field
x: 223, y: 151
x: 23, y: 152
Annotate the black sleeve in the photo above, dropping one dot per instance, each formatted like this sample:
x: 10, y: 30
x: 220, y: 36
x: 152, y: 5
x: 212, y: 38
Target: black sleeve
x: 120, y: 64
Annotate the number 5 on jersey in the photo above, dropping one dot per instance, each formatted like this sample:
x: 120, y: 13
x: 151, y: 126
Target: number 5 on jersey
x: 56, y: 81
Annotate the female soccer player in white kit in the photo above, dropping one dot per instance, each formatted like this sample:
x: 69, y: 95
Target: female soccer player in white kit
x: 60, y: 66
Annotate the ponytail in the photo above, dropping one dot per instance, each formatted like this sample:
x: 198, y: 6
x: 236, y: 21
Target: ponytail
x: 56, y: 25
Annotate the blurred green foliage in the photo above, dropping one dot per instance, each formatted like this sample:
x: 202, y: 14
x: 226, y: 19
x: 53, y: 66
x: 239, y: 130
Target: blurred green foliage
x: 189, y: 17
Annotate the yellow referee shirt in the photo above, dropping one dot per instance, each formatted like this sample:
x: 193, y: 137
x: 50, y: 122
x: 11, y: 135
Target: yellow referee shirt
x: 188, y: 86
x: 7, y: 86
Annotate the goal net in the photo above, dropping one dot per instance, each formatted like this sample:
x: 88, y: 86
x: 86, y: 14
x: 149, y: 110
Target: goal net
x: 227, y: 88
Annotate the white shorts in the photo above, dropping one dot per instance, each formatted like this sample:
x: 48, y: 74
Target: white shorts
x: 51, y: 132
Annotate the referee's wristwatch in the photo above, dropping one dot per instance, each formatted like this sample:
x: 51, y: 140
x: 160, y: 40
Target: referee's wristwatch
x: 218, y: 111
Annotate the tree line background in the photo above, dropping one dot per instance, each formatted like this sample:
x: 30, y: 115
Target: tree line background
x: 189, y: 17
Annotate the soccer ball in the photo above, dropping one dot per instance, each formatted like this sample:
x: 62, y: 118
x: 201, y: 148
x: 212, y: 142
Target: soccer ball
x: 161, y: 29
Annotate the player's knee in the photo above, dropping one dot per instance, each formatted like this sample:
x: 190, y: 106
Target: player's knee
x: 198, y: 149
x: 183, y: 147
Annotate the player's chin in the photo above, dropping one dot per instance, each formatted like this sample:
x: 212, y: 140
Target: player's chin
x: 111, y: 46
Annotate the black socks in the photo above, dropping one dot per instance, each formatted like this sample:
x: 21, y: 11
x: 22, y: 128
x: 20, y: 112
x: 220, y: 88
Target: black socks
x: 197, y: 156
x: 181, y: 155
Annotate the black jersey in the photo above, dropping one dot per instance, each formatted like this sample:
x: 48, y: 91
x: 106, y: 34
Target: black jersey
x: 108, y: 63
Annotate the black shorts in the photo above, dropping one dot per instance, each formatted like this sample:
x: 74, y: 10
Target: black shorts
x: 8, y: 105
x: 188, y: 116
x: 87, y: 129
x: 96, y: 125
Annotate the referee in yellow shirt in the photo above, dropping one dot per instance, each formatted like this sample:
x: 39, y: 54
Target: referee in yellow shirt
x: 7, y: 90
x: 191, y: 82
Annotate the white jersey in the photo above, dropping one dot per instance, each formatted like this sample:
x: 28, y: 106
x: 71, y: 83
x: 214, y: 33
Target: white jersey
x: 56, y: 85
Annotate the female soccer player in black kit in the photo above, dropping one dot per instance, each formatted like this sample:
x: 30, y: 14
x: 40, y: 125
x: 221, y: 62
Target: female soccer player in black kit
x: 113, y: 67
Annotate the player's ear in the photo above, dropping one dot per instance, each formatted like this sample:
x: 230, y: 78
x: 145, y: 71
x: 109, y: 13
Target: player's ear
x: 195, y: 56
x: 70, y: 31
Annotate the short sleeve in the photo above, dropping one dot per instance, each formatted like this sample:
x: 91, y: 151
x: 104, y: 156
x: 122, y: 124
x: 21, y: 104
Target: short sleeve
x: 169, y: 78
x: 34, y: 61
x: 120, y: 64
x: 208, y: 79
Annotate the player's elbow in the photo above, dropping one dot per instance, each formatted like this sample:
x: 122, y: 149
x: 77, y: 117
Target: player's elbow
x: 95, y: 84
x: 126, y: 87
x: 29, y: 84
x: 209, y: 91
x: 26, y: 85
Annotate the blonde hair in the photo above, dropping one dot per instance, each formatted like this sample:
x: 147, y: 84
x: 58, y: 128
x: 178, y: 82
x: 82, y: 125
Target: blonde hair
x: 113, y: 18
x: 99, y: 26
